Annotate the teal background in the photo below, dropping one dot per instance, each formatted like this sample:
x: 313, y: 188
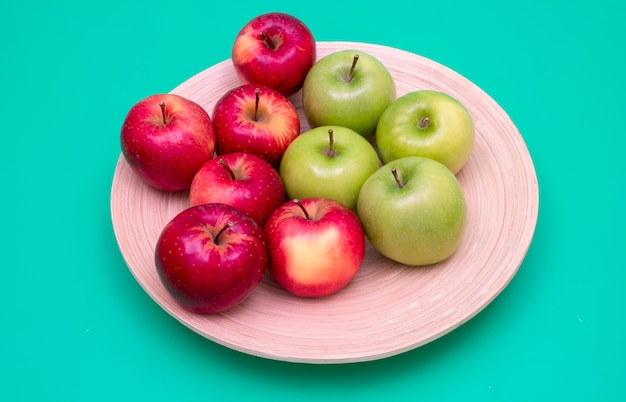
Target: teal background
x: 75, y: 324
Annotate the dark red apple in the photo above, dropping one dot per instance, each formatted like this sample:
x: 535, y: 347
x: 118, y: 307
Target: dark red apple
x: 211, y: 257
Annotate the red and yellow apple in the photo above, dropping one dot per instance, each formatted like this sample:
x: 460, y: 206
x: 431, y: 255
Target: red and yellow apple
x: 243, y: 180
x: 316, y: 246
x: 255, y: 119
x: 276, y: 50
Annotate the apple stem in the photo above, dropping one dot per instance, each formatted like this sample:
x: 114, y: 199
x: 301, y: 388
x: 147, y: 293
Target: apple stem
x: 228, y: 169
x: 354, y: 60
x: 298, y: 203
x: 424, y: 122
x: 217, y: 236
x: 256, y: 102
x: 268, y: 40
x: 395, y: 176
x: 332, y: 151
x: 162, y: 105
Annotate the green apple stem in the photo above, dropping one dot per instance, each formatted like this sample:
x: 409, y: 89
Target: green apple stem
x: 228, y: 169
x: 298, y: 203
x: 162, y: 105
x: 354, y: 60
x: 268, y: 41
x: 256, y: 102
x: 332, y: 151
x: 424, y: 122
x: 225, y: 228
x: 395, y: 176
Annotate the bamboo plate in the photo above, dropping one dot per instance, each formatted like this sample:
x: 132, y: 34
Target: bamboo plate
x: 387, y: 308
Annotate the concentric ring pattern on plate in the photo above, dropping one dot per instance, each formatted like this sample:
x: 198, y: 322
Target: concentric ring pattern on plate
x: 388, y: 308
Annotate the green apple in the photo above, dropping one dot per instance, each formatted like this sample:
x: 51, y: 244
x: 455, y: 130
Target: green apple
x: 413, y: 211
x: 328, y: 162
x: 426, y: 123
x: 347, y: 88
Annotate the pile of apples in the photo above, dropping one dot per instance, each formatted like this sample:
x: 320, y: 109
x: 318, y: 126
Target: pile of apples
x: 265, y: 197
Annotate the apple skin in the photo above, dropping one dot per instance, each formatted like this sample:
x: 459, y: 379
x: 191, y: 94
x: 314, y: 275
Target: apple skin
x: 426, y: 123
x: 420, y: 223
x: 329, y: 97
x: 314, y: 257
x: 167, y: 155
x: 280, y: 59
x: 310, y: 169
x: 266, y: 133
x: 247, y: 182
x: 208, y: 276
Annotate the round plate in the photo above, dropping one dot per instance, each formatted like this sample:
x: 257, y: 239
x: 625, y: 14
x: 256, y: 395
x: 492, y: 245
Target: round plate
x: 388, y: 308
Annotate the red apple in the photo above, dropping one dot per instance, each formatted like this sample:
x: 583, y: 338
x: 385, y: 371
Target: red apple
x: 276, y: 50
x: 316, y: 246
x: 211, y: 257
x: 165, y: 139
x: 243, y: 180
x: 257, y: 120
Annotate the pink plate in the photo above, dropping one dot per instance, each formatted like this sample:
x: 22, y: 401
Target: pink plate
x: 388, y: 308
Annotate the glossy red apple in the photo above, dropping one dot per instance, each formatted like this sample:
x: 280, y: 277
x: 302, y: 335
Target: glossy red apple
x: 276, y: 50
x: 316, y: 246
x: 257, y: 120
x: 211, y: 257
x: 243, y: 180
x: 165, y: 138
